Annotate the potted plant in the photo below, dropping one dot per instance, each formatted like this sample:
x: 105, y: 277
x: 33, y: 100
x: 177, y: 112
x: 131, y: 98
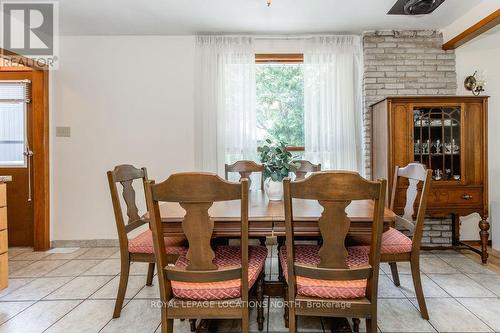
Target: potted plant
x: 278, y: 164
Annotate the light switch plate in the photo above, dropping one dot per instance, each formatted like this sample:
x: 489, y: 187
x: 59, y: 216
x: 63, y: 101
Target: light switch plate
x: 63, y: 131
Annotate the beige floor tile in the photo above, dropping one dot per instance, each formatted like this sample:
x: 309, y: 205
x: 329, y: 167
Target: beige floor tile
x: 467, y: 265
x: 403, y: 268
x: 38, y: 268
x: 486, y: 309
x: 387, y: 289
x: 431, y: 289
x: 66, y: 255
x: 37, y: 289
x: 98, y: 253
x: 399, y: 315
x: 74, y: 267
x: 448, y: 315
x: 38, y: 317
x: 15, y: 251
x: 31, y: 255
x: 88, y: 317
x: 435, y: 265
x: 137, y: 316
x: 105, y: 267
x: 115, y: 255
x: 14, y: 266
x: 149, y: 292
x: 15, y: 284
x: 109, y: 290
x: 492, y: 282
x: 139, y: 268
x: 10, y: 309
x: 460, y: 285
x: 79, y: 288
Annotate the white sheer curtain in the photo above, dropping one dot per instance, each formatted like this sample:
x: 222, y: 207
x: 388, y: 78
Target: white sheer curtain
x: 333, y: 102
x: 224, y: 101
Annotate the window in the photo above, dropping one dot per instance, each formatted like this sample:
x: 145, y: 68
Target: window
x: 12, y: 123
x: 280, y: 99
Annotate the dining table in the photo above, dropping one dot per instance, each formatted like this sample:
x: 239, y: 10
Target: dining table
x: 266, y: 218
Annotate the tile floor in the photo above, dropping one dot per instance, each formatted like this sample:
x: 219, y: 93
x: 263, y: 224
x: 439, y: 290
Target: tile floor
x: 73, y: 290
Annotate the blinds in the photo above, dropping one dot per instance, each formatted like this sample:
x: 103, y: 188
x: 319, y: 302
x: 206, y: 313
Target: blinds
x: 14, y: 96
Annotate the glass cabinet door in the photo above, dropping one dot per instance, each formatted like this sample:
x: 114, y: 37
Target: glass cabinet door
x: 437, y: 140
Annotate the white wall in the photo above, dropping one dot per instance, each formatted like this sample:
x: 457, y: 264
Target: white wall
x: 127, y: 100
x: 483, y: 54
x: 483, y: 9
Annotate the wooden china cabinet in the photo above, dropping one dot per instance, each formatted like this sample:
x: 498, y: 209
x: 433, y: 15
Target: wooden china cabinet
x: 449, y: 135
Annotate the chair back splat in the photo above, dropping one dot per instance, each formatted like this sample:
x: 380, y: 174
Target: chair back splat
x: 245, y: 168
x: 334, y: 191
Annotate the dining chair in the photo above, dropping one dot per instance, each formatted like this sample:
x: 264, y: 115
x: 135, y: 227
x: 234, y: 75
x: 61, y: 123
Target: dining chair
x: 139, y: 248
x: 245, y: 168
x: 207, y: 282
x: 322, y: 280
x: 305, y: 168
x: 396, y: 246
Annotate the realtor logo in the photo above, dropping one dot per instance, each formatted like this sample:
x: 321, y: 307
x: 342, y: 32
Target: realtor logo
x: 30, y: 29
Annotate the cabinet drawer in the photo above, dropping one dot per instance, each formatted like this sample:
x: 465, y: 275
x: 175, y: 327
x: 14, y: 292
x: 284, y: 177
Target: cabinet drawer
x: 4, y: 271
x: 3, y: 218
x: 3, y: 194
x: 456, y: 197
x: 3, y: 241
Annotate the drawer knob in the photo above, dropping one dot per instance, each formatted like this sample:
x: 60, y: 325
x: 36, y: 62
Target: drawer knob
x: 466, y: 196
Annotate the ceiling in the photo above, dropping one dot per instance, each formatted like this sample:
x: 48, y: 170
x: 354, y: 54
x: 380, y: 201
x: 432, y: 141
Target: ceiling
x: 182, y: 17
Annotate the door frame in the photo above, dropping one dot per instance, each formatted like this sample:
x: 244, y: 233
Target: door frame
x: 41, y: 142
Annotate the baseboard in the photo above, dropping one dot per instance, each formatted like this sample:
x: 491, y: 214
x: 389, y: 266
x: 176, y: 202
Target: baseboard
x: 85, y: 243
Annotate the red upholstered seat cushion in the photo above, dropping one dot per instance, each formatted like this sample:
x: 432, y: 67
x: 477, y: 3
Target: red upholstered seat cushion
x: 308, y: 255
x: 225, y: 257
x: 393, y: 241
x: 143, y: 243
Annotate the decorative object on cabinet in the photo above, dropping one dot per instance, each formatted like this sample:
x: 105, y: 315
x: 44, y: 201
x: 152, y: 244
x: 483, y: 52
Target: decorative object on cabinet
x: 449, y: 135
x: 474, y: 83
x: 4, y: 260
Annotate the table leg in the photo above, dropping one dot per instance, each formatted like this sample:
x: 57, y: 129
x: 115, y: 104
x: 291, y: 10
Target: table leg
x: 484, y: 225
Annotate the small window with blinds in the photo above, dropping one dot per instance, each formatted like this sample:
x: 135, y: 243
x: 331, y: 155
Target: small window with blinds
x: 13, y: 123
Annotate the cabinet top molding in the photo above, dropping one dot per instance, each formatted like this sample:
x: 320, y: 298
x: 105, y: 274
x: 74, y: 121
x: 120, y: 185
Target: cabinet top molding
x: 433, y: 98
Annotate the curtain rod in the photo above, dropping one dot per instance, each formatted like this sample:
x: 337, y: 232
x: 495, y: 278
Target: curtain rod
x: 283, y: 37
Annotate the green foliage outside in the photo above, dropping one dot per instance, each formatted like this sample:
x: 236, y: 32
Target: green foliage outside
x: 277, y: 160
x: 280, y: 102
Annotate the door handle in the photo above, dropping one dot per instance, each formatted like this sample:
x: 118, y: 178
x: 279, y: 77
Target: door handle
x: 29, y: 154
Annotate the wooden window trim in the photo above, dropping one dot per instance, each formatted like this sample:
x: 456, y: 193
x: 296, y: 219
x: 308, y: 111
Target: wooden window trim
x: 278, y: 58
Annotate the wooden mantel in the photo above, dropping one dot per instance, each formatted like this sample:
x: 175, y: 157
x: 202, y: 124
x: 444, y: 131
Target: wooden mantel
x: 472, y: 32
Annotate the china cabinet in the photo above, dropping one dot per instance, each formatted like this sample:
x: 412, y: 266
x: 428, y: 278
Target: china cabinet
x: 448, y: 134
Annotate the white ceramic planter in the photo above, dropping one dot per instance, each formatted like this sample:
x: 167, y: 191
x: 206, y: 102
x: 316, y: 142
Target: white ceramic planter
x: 274, y: 190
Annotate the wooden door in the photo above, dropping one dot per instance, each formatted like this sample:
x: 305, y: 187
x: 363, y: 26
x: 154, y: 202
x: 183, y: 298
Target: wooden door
x: 16, y: 157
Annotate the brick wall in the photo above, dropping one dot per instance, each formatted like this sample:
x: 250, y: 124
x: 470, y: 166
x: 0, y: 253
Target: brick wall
x: 407, y: 63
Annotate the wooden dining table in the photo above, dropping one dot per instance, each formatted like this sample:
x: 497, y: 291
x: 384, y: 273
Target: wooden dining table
x: 267, y: 218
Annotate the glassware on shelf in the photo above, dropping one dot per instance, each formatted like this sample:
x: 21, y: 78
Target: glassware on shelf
x: 417, y: 146
x: 438, y: 174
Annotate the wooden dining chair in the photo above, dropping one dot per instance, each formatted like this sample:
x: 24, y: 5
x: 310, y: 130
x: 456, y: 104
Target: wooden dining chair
x: 396, y: 246
x: 139, y: 248
x: 245, y: 168
x: 206, y: 282
x: 322, y: 278
x: 305, y: 168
